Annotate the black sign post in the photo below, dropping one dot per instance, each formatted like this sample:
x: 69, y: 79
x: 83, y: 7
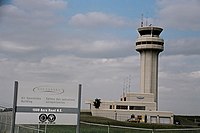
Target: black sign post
x: 79, y: 109
x: 14, y: 107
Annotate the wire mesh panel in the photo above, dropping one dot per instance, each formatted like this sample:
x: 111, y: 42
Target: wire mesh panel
x: 101, y: 128
x: 4, y: 128
x: 27, y: 129
x: 127, y: 130
x: 186, y: 130
x: 93, y: 128
x: 5, y: 122
x: 60, y: 129
x: 5, y: 125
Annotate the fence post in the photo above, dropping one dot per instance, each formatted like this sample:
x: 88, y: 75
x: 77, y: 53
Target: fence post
x: 45, y: 128
x: 18, y: 129
x: 6, y: 126
x: 38, y: 127
x: 108, y: 128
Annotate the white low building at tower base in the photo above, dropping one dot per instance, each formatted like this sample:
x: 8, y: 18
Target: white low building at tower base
x: 135, y: 107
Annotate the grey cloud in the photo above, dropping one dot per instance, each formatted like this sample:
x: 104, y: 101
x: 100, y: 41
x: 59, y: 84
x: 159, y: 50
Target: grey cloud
x: 98, y: 20
x: 14, y: 47
x: 20, y: 18
x: 182, y: 15
x: 183, y: 46
x: 31, y: 5
x: 34, y: 32
x: 178, y: 82
x: 179, y: 64
x: 31, y: 17
x: 66, y: 66
x: 27, y: 35
x: 88, y: 71
x: 110, y: 48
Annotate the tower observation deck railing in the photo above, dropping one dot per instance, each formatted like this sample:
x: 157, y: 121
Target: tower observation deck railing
x: 149, y: 40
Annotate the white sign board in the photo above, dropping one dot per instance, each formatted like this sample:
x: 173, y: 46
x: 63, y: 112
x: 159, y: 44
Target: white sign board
x: 47, y: 104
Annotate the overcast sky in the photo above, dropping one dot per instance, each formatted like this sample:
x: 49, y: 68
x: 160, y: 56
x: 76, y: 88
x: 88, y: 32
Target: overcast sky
x: 92, y: 42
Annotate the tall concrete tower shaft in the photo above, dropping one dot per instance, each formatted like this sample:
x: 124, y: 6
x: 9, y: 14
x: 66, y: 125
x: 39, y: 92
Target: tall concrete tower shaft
x: 149, y: 44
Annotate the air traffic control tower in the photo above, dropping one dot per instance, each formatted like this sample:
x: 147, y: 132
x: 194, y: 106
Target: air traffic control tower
x: 149, y: 44
x: 144, y: 105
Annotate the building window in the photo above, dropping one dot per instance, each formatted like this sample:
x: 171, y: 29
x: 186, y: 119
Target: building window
x: 149, y: 42
x: 137, y: 107
x: 110, y: 106
x: 124, y: 98
x: 122, y: 107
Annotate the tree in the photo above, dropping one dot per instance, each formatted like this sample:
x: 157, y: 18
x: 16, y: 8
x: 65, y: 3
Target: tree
x: 97, y: 103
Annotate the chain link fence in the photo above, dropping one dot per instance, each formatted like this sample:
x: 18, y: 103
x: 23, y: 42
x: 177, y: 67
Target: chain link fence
x: 101, y: 128
x: 5, y: 125
x: 5, y: 122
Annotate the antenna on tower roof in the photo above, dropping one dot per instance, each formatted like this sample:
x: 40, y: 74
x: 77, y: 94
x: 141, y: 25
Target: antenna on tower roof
x: 124, y: 89
x: 147, y: 21
x: 142, y: 20
x: 129, y: 83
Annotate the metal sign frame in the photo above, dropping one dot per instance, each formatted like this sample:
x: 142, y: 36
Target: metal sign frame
x: 50, y: 117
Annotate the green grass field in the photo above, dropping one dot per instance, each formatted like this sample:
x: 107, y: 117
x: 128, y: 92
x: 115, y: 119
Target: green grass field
x: 87, y: 128
x: 105, y: 125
